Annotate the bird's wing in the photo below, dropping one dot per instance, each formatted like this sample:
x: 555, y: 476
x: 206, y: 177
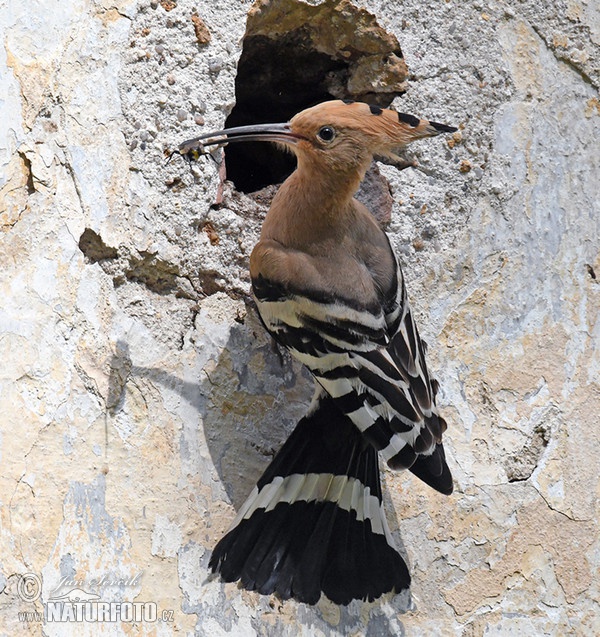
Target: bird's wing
x: 371, y: 361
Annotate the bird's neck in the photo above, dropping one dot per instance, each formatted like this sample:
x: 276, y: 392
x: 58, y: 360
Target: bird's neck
x: 311, y: 204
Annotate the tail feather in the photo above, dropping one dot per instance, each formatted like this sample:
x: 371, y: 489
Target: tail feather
x: 315, y: 521
x: 305, y: 574
x: 434, y: 471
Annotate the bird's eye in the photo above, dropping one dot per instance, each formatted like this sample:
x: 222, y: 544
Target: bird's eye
x: 326, y: 134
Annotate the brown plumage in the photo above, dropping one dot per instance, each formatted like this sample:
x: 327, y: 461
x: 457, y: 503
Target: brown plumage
x: 329, y: 288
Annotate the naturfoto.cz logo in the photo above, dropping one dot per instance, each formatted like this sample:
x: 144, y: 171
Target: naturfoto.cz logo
x: 80, y: 605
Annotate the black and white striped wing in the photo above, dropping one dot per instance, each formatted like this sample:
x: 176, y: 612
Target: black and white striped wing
x: 372, y: 364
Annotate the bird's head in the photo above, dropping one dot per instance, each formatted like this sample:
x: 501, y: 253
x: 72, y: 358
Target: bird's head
x: 337, y: 136
x: 345, y: 136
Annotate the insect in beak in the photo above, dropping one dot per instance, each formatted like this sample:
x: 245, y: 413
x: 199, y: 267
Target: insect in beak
x: 193, y: 149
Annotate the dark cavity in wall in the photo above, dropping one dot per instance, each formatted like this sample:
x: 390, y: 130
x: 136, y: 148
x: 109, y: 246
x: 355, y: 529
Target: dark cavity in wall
x: 275, y: 80
x: 145, y: 268
x: 94, y: 249
x: 296, y: 55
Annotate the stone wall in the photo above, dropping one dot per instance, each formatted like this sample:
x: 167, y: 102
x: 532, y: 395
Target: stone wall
x: 141, y: 398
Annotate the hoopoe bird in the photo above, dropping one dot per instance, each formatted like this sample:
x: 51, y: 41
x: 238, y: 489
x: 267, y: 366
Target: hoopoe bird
x: 329, y: 288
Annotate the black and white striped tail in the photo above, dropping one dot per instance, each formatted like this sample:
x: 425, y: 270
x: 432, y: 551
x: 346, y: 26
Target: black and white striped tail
x: 315, y: 522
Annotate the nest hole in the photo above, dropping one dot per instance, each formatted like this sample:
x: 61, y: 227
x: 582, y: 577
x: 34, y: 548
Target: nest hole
x: 275, y: 80
x: 296, y: 55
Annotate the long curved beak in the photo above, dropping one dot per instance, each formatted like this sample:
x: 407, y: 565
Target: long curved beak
x: 193, y: 148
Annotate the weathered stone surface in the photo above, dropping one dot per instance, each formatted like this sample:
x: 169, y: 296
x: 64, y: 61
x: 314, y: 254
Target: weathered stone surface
x: 141, y: 398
